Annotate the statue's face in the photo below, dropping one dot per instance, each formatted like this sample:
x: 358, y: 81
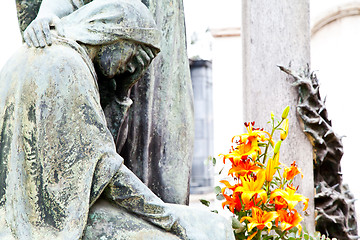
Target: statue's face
x: 112, y: 59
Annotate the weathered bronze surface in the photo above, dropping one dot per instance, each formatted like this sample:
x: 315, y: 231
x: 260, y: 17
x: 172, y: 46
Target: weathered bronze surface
x: 160, y: 123
x: 61, y: 175
x: 334, y: 203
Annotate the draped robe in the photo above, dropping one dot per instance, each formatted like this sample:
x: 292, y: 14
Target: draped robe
x: 56, y: 150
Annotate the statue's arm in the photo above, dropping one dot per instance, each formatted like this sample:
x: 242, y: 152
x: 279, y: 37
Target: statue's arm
x: 37, y: 34
x: 135, y: 69
x: 116, y: 111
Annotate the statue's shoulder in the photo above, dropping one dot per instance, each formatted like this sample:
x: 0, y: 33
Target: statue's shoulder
x: 27, y: 11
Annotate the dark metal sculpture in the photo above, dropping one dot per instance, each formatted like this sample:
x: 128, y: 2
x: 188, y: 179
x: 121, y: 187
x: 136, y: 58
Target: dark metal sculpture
x: 334, y: 202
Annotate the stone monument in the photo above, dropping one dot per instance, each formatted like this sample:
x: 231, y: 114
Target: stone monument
x: 61, y: 175
x: 160, y: 133
x: 275, y: 34
x: 278, y: 33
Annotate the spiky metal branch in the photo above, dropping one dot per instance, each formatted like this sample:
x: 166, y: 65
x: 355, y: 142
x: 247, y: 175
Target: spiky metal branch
x: 334, y: 203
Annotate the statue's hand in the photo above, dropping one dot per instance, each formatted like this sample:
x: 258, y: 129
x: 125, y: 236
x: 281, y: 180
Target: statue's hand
x: 135, y: 69
x: 37, y: 34
x: 140, y: 62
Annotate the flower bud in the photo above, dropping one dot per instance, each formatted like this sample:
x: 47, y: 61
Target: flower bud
x: 285, y: 112
x: 271, y: 167
x: 285, y: 129
x: 272, y: 116
x: 277, y: 147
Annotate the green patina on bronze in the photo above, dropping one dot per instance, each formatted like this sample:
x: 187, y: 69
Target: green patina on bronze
x: 334, y: 202
x: 161, y: 127
x: 61, y: 143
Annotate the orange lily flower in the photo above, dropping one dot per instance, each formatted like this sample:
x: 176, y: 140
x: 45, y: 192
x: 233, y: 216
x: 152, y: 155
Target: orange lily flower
x: 229, y: 186
x: 247, y: 144
x: 279, y: 202
x: 252, y: 185
x: 244, y: 167
x: 243, y: 151
x: 290, y: 197
x: 271, y: 166
x: 253, y: 133
x: 233, y: 202
x: 291, y: 172
x: 260, y: 219
x: 289, y: 219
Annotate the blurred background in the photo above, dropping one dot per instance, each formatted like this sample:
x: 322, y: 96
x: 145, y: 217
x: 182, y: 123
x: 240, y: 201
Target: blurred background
x: 215, y: 53
x: 215, y: 35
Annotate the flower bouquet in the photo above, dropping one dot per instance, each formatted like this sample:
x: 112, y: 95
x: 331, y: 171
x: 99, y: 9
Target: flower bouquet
x: 261, y: 194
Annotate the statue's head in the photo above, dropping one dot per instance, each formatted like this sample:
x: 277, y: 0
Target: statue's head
x: 112, y: 59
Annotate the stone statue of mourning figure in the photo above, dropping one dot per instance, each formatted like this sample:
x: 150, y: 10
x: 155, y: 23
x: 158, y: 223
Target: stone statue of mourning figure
x: 60, y: 175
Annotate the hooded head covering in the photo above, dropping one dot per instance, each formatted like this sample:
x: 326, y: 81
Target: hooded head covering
x: 106, y: 21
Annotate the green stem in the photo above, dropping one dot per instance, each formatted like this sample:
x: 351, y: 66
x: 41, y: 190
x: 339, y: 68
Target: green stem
x: 259, y: 235
x: 271, y: 135
x: 268, y: 188
x: 282, y: 235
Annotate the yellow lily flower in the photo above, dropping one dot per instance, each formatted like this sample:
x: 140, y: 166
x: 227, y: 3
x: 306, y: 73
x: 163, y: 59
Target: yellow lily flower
x: 271, y: 166
x: 289, y: 220
x: 260, y: 219
x: 290, y: 197
x: 252, y: 185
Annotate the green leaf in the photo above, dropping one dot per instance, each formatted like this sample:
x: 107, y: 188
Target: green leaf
x: 215, y: 211
x: 278, y: 231
x: 210, y: 159
x: 240, y: 235
x: 236, y: 223
x: 205, y: 202
x: 267, y: 237
x: 214, y: 161
x: 217, y: 190
x: 220, y: 197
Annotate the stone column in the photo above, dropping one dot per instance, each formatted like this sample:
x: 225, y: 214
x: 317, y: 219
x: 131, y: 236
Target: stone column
x: 202, y: 175
x: 278, y: 33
